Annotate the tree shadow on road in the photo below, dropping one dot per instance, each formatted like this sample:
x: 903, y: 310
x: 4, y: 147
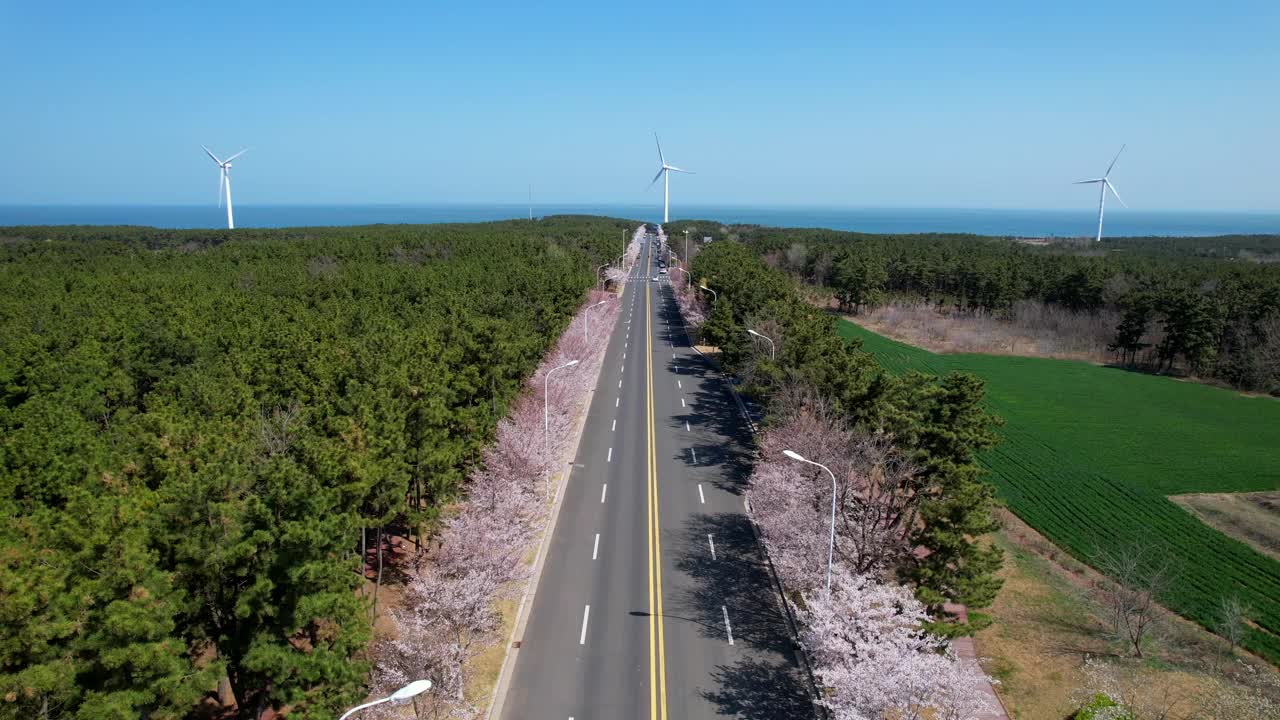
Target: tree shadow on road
x: 754, y: 689
x: 736, y: 581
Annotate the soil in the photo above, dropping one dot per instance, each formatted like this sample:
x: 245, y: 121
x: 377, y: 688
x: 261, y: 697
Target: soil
x: 1252, y: 518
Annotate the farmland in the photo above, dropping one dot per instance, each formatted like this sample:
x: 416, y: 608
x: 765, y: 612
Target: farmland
x: 1089, y: 454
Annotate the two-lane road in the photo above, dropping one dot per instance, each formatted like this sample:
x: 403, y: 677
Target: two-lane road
x: 653, y: 601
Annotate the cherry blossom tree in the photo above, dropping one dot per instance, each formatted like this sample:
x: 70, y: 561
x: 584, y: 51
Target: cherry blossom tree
x: 878, y: 494
x: 874, y: 660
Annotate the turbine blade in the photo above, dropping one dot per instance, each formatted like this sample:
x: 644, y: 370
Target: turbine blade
x: 1113, y: 161
x: 1113, y: 192
x: 1089, y: 182
x: 660, y: 158
x: 673, y: 167
x: 233, y: 157
x: 655, y: 178
x: 222, y: 179
x: 210, y: 154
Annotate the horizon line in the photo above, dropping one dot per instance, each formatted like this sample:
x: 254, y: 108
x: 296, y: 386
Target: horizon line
x: 607, y: 204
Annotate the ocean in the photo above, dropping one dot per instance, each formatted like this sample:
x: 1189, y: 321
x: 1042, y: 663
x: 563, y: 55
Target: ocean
x: 1022, y: 223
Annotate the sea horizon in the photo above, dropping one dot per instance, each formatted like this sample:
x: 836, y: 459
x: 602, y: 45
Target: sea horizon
x: 1000, y: 222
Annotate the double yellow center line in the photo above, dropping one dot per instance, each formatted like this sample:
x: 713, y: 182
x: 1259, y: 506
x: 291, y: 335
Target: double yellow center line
x: 657, y: 647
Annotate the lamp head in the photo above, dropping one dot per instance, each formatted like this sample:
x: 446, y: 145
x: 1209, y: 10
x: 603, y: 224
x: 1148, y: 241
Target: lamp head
x: 794, y: 455
x: 417, y: 687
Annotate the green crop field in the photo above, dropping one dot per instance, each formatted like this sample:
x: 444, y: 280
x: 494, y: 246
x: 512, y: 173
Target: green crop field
x: 1089, y: 454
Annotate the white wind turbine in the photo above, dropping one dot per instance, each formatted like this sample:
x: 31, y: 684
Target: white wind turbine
x: 665, y: 173
x: 224, y: 181
x: 1105, y: 184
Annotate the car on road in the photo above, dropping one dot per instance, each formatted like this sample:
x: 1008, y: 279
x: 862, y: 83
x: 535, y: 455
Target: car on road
x: 655, y: 278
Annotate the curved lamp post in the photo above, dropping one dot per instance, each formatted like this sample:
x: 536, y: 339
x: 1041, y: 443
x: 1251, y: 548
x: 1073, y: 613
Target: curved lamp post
x: 766, y: 338
x: 546, y: 417
x: 715, y: 296
x: 831, y: 545
x: 586, y: 320
x: 417, y: 687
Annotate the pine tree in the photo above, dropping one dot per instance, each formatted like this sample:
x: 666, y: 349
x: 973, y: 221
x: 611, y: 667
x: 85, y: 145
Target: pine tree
x: 944, y: 423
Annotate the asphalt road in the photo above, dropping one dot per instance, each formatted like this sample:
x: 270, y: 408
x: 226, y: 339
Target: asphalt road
x: 654, y: 601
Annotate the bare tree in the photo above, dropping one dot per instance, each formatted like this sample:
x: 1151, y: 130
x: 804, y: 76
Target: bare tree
x: 278, y: 428
x: 1137, y: 576
x: 1233, y: 620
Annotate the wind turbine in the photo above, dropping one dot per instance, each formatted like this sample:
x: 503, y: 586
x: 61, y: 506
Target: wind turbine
x: 224, y: 181
x: 1104, y: 182
x: 665, y: 173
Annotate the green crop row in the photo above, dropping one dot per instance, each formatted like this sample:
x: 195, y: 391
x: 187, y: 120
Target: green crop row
x: 1089, y: 454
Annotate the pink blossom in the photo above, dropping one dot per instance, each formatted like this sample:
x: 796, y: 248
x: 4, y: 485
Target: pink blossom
x: 874, y: 660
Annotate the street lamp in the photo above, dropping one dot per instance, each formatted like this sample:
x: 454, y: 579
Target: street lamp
x: 831, y: 546
x: 417, y: 687
x: 686, y: 249
x: 598, y: 274
x: 546, y: 416
x: 714, y: 295
x: 772, y: 356
x: 586, y: 320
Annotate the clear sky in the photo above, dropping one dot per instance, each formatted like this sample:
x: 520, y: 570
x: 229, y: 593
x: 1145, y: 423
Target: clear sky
x: 778, y: 103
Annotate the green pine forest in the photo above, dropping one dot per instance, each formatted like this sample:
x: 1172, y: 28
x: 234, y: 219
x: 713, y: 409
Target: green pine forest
x: 1205, y: 306
x: 940, y: 421
x: 197, y: 428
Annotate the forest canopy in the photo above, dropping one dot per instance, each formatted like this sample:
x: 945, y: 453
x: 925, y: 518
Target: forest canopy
x: 196, y: 427
x: 1209, y: 307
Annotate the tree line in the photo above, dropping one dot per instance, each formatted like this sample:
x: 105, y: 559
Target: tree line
x: 1206, y: 306
x: 936, y: 423
x: 202, y: 433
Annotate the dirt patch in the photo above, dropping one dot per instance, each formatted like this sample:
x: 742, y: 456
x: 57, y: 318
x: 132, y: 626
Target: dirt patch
x: 1045, y: 626
x: 1031, y: 329
x: 1252, y: 518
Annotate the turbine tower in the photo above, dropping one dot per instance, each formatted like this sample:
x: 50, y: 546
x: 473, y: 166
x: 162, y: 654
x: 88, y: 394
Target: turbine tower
x: 665, y: 173
x: 224, y: 181
x: 1105, y: 183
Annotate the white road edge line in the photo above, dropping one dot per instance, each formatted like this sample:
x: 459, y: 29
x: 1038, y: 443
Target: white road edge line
x: 686, y: 425
x: 586, y: 614
x: 710, y: 542
x: 701, y: 497
x: 603, y: 490
x: 618, y: 400
x: 679, y: 385
x: 614, y: 427
x: 595, y: 549
x: 728, y: 630
x: 610, y: 458
x: 681, y: 402
x: 694, y: 454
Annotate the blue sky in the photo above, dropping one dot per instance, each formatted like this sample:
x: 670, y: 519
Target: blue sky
x: 779, y: 103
